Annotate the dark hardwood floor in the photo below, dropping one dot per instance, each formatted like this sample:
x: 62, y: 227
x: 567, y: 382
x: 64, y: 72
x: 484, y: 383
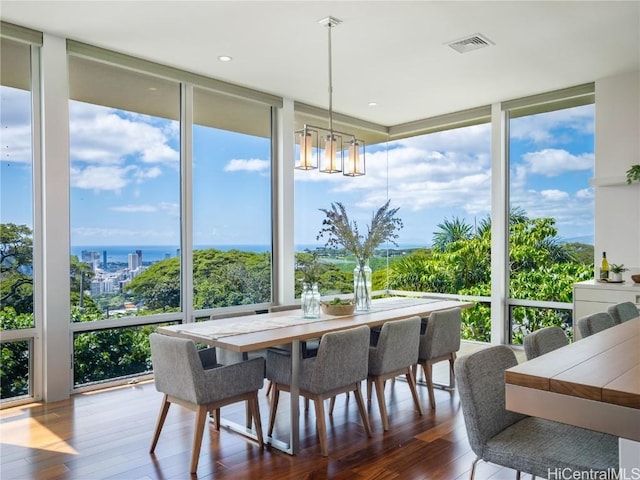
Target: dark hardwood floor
x: 106, y: 435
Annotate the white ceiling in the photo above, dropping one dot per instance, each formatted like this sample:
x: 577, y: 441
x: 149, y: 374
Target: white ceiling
x: 394, y: 53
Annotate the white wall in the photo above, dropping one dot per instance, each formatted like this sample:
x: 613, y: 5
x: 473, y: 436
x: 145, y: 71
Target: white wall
x: 617, y: 205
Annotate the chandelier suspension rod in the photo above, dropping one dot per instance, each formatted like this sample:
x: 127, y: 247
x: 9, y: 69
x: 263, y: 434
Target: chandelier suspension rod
x: 329, y: 27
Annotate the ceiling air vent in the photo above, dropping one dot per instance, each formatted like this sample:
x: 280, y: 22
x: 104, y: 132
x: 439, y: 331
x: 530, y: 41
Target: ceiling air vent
x: 473, y: 42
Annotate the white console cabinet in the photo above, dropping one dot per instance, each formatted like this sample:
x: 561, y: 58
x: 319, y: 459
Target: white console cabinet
x: 592, y: 296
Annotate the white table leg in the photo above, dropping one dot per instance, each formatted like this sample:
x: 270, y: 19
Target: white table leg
x: 629, y: 454
x: 294, y: 436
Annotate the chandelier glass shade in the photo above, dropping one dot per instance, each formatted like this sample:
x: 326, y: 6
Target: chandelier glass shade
x: 338, y: 151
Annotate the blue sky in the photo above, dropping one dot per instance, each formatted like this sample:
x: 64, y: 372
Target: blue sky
x: 126, y: 181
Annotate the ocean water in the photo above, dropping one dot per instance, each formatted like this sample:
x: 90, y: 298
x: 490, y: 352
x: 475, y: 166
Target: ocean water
x: 155, y: 253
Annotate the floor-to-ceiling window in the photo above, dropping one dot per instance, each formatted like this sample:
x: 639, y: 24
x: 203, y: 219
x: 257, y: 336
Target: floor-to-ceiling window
x: 232, y: 218
x: 125, y: 214
x: 441, y: 184
x: 17, y: 319
x: 442, y: 180
x: 551, y: 227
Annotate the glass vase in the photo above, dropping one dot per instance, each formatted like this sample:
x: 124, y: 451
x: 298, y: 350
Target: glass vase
x: 362, y: 287
x: 310, y: 300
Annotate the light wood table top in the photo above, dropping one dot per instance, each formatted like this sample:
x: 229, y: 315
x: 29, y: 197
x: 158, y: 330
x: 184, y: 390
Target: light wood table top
x: 593, y: 383
x: 287, y: 326
x: 604, y: 367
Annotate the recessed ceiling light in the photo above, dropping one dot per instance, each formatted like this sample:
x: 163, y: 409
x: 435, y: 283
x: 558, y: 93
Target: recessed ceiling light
x: 373, y: 104
x: 224, y: 58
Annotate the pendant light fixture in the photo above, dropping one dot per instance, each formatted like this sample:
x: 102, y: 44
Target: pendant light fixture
x: 333, y: 155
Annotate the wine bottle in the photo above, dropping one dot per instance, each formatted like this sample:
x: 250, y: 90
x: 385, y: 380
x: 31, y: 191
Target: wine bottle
x: 604, y: 267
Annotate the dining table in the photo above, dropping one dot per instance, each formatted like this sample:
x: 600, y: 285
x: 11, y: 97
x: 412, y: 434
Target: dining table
x: 592, y: 383
x: 257, y: 332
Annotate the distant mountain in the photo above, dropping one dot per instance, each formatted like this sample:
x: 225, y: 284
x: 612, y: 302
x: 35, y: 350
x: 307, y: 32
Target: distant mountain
x: 587, y: 239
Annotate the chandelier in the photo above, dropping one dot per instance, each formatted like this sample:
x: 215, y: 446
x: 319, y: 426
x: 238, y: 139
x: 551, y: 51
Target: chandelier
x: 336, y: 143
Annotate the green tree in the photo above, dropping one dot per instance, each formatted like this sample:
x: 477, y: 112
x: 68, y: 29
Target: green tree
x: 541, y: 269
x: 16, y: 259
x: 451, y: 231
x: 81, y: 275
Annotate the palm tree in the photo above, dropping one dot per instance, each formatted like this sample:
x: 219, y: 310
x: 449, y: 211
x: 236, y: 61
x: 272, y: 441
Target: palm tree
x: 451, y: 231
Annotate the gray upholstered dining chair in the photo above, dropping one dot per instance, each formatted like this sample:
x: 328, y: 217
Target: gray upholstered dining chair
x: 309, y: 348
x: 339, y: 367
x: 623, y: 311
x: 440, y: 341
x: 395, y: 353
x: 194, y: 380
x: 528, y: 444
x: 594, y: 323
x: 544, y: 341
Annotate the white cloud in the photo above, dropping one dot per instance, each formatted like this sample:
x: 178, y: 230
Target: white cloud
x: 152, y: 172
x: 101, y: 178
x: 171, y: 209
x: 555, y: 195
x: 421, y: 178
x: 247, y: 165
x: 15, y: 135
x: 585, y: 193
x: 96, y: 236
x: 99, y: 135
x: 552, y: 162
x: 543, y: 128
x: 135, y: 208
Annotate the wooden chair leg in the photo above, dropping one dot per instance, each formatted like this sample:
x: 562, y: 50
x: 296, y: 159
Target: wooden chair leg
x: 247, y: 415
x: 381, y: 403
x: 321, y: 426
x: 273, y: 409
x: 452, y: 377
x: 332, y: 403
x: 269, y: 388
x: 216, y: 416
x: 414, y: 391
x: 363, y: 410
x: 369, y: 389
x: 428, y: 373
x: 201, y: 417
x: 255, y: 414
x: 164, y: 408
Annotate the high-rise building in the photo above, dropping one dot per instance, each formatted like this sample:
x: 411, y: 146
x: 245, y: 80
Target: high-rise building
x: 134, y: 261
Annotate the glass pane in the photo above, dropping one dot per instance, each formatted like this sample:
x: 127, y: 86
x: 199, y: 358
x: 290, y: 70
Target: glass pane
x: 524, y: 320
x: 551, y: 208
x: 231, y: 201
x: 444, y: 180
x: 14, y: 369
x: 125, y: 192
x: 441, y: 183
x: 16, y: 187
x: 110, y: 354
x: 476, y: 322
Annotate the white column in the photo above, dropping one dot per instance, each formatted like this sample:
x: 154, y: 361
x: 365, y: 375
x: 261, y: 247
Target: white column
x: 499, y: 223
x: 55, y: 218
x: 283, y: 191
x: 186, y: 191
